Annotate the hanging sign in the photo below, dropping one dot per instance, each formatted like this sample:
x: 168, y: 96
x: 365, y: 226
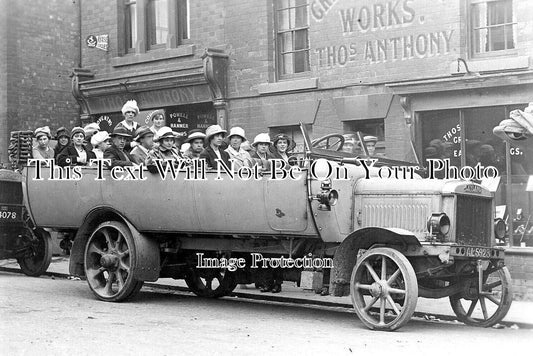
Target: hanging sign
x: 100, y: 42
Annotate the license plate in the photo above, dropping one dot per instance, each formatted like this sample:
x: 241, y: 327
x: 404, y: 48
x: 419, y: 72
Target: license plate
x: 10, y: 214
x: 478, y: 252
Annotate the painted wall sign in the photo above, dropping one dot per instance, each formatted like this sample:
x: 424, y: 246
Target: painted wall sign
x: 99, y: 41
x: 378, y: 31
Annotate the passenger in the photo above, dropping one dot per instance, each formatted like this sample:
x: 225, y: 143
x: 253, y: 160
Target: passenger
x: 165, y: 149
x: 116, y: 152
x: 100, y: 142
x: 130, y: 110
x: 214, y: 136
x: 90, y: 130
x: 75, y: 154
x: 370, y: 143
x: 43, y: 150
x: 240, y: 157
x: 63, y: 140
x: 145, y: 137
x: 157, y: 119
x: 280, y: 146
x: 196, y: 144
x: 262, y: 154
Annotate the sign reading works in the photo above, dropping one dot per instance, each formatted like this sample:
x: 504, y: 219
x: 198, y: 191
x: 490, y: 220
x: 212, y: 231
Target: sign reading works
x: 376, y: 31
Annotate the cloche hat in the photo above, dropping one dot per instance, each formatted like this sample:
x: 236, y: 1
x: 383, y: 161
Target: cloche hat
x: 91, y: 128
x: 131, y: 105
x: 45, y: 130
x: 237, y: 131
x: 77, y: 130
x: 194, y: 134
x: 164, y: 132
x: 261, y: 138
x: 282, y: 136
x: 213, y: 130
x: 62, y: 131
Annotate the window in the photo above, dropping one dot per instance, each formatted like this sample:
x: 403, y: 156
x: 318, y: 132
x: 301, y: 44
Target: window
x: 292, y: 41
x: 493, y: 26
x: 154, y: 24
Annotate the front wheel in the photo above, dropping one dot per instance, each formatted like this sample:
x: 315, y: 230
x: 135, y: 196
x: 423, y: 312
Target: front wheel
x: 36, y: 261
x: 384, y: 289
x: 110, y: 256
x: 489, y: 307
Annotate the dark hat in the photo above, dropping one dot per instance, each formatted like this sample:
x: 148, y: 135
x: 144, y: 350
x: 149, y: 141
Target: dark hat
x: 141, y: 132
x: 62, y: 131
x: 77, y: 130
x: 120, y: 131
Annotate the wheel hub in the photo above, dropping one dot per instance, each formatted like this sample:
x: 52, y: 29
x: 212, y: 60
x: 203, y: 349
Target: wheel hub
x: 109, y: 261
x: 378, y: 289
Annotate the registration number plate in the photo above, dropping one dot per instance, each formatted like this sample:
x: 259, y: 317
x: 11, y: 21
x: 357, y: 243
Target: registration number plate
x: 10, y: 213
x: 478, y: 252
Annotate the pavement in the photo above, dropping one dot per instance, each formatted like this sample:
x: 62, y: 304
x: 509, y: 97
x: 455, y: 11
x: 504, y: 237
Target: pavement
x: 519, y: 316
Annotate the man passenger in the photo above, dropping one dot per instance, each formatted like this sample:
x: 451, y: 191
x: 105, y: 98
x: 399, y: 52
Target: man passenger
x: 145, y: 137
x: 116, y: 152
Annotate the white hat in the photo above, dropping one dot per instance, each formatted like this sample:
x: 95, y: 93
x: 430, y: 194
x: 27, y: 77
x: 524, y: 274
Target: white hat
x: 99, y: 137
x: 261, y: 138
x: 237, y: 131
x: 131, y: 105
x: 370, y: 138
x: 45, y: 130
x: 164, y: 132
x: 185, y: 147
x: 213, y: 130
x: 91, y: 128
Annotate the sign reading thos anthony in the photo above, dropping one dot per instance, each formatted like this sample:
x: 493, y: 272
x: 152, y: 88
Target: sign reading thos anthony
x: 100, y: 42
x: 386, y: 17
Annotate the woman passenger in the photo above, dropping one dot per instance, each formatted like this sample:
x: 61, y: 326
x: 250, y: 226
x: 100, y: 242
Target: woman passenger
x: 75, y: 154
x: 214, y: 136
x: 280, y: 146
x: 165, y: 150
x: 240, y: 157
x: 262, y: 154
x: 100, y: 142
x: 63, y: 139
x: 43, y: 150
x: 130, y: 110
x: 157, y: 118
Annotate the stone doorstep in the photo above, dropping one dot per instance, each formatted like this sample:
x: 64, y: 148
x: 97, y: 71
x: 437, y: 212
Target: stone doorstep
x: 521, y: 312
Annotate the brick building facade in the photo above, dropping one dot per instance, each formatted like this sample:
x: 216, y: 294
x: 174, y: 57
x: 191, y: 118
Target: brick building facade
x: 40, y: 46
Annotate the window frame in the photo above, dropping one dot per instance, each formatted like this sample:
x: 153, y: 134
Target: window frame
x: 471, y: 31
x: 278, y: 55
x: 179, y: 32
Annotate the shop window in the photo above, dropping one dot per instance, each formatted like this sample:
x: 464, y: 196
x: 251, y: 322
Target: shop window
x: 154, y: 24
x: 292, y: 37
x: 493, y: 26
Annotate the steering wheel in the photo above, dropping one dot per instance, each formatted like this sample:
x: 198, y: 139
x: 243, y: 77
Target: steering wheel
x: 330, y: 142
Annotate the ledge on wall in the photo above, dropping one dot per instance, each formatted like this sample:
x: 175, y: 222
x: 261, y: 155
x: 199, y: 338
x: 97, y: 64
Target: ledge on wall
x: 491, y: 64
x: 289, y: 85
x: 152, y: 56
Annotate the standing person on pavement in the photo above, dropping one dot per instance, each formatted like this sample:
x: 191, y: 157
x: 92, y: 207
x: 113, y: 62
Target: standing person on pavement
x: 145, y: 137
x: 43, y: 150
x: 240, y: 157
x: 213, y: 140
x: 116, y: 152
x: 63, y: 140
x: 130, y: 110
x: 75, y: 154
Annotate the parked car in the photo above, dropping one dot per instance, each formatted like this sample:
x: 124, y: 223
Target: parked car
x: 391, y: 240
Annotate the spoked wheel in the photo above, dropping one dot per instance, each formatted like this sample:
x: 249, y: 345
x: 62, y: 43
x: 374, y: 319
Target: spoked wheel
x: 110, y: 255
x: 486, y: 309
x: 39, y: 256
x: 384, y: 289
x: 211, y: 283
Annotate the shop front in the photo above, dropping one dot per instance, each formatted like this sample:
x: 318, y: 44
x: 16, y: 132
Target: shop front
x: 453, y: 119
x: 190, y: 97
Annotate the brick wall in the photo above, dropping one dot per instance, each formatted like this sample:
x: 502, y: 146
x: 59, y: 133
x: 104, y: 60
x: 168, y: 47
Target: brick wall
x: 520, y: 264
x: 42, y: 47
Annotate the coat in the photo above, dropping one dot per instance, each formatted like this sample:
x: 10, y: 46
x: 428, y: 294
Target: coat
x: 263, y: 163
x: 68, y: 156
x: 118, y: 157
x: 210, y: 157
x: 240, y: 158
x: 128, y: 147
x: 275, y: 155
x: 139, y: 155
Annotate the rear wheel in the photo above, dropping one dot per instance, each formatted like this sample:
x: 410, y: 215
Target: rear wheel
x: 384, y: 289
x: 38, y: 258
x: 110, y: 255
x: 488, y: 308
